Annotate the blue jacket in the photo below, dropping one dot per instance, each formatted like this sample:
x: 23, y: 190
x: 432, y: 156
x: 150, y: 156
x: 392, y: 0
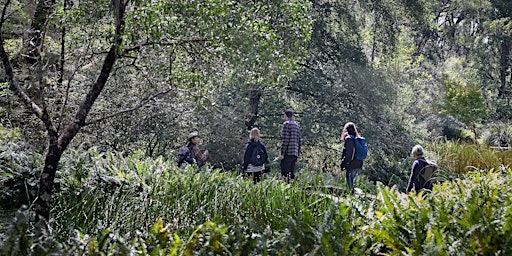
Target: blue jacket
x: 248, y: 151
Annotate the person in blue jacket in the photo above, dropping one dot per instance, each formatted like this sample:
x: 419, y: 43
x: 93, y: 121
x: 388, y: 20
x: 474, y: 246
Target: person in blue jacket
x: 255, y: 156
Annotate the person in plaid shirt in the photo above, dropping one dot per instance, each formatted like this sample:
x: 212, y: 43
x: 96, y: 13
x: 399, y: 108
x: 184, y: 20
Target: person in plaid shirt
x: 290, y: 145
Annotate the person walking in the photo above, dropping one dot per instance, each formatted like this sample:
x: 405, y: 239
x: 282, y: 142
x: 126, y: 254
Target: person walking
x: 420, y: 164
x: 290, y: 145
x: 349, y: 162
x: 255, y: 156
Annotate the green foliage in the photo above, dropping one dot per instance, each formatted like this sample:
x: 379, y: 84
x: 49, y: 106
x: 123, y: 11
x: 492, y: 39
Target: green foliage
x: 463, y: 101
x: 498, y: 134
x: 458, y: 158
x: 109, y: 204
x: 18, y: 171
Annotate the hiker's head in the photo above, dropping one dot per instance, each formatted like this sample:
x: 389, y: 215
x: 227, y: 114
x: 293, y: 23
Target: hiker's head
x: 349, y: 129
x: 193, y: 137
x: 254, y: 134
x: 288, y: 114
x: 417, y: 151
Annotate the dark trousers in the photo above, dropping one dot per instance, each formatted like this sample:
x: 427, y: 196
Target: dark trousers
x: 256, y: 176
x: 288, y: 166
x: 350, y: 177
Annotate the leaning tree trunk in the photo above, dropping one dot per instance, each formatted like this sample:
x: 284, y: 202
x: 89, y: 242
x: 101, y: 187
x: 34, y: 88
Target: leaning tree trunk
x: 59, y: 143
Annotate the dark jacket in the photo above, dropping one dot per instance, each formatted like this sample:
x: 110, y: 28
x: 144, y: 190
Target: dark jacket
x: 416, y: 180
x: 248, y: 152
x: 348, y: 156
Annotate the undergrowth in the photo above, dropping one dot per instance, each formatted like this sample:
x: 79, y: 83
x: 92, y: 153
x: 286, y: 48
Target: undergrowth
x: 108, y: 203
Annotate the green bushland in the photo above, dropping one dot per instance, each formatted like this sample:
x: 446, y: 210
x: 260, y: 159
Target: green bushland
x: 116, y: 204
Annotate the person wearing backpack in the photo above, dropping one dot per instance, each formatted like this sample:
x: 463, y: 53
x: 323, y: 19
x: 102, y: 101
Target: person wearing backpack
x: 351, y: 158
x: 191, y: 152
x: 255, y: 156
x: 422, y: 171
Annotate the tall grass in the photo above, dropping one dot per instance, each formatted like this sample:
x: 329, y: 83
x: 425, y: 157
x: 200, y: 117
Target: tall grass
x: 108, y: 203
x: 458, y: 158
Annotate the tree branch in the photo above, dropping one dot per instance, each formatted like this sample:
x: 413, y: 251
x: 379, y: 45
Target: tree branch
x: 78, y: 122
x: 16, y: 88
x: 141, y: 104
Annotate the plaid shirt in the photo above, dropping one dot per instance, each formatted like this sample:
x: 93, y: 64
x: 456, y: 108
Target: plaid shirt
x: 290, y: 138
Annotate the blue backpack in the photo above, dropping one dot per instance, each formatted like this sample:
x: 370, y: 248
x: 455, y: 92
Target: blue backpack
x: 258, y: 156
x: 361, y: 147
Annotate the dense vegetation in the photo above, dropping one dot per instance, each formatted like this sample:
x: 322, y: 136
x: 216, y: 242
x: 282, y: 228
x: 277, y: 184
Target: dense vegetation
x: 97, y: 96
x: 114, y: 204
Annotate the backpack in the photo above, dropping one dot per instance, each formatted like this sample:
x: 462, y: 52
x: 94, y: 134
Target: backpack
x: 361, y: 147
x: 258, y: 156
x: 428, y: 171
x: 186, y: 154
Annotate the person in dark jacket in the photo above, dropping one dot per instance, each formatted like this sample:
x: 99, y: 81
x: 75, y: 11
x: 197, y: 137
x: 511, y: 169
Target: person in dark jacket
x: 416, y: 181
x: 290, y: 145
x: 349, y: 162
x: 254, y: 169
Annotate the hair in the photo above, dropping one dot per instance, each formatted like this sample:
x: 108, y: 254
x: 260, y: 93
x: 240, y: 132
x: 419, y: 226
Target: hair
x: 349, y: 129
x: 288, y: 113
x: 417, y: 151
x: 254, y: 134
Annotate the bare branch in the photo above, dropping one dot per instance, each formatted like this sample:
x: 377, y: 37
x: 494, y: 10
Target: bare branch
x: 78, y: 122
x: 16, y: 88
x: 140, y: 105
x: 4, y: 10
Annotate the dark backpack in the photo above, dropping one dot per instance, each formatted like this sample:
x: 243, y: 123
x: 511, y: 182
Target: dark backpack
x: 186, y: 154
x: 258, y: 156
x: 428, y: 171
x: 361, y: 147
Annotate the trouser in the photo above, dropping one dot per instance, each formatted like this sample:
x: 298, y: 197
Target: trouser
x: 256, y: 176
x: 288, y: 166
x: 350, y: 177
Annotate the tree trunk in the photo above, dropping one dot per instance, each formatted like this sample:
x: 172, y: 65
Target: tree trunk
x: 43, y: 10
x: 254, y: 103
x: 506, y: 46
x: 43, y: 202
x: 58, y: 144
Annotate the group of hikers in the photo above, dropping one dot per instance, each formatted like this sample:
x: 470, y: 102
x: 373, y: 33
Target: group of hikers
x: 353, y: 154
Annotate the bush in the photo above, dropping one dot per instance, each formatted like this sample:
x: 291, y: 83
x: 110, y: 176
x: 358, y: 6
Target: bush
x: 498, y: 134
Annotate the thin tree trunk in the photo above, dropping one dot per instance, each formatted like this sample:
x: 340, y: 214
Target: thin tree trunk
x: 58, y: 144
x: 34, y: 47
x: 506, y: 46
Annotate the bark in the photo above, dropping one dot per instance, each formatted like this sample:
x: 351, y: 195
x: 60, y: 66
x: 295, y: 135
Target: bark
x: 254, y: 103
x: 43, y: 10
x: 58, y: 144
x: 506, y: 47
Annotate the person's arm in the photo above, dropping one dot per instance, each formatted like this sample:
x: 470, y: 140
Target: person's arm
x: 414, y: 173
x: 350, y: 149
x: 285, y: 138
x: 246, y: 158
x: 266, y: 152
x: 300, y: 142
x: 200, y: 156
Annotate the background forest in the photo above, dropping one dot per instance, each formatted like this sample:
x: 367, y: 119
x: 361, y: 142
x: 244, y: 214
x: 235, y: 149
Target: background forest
x: 97, y: 97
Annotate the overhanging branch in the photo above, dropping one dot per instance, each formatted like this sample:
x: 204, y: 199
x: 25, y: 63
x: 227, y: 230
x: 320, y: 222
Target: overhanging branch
x: 140, y: 105
x: 16, y: 88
